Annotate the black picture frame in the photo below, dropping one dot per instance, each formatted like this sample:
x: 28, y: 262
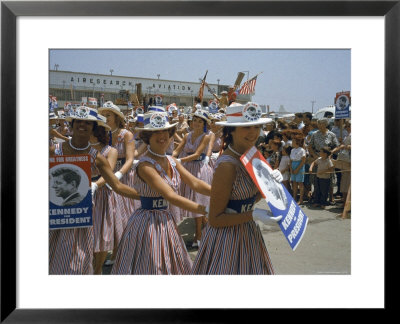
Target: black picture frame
x: 10, y: 10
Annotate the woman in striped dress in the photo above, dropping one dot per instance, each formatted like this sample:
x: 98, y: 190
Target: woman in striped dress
x: 215, y: 146
x: 71, y: 250
x: 192, y: 153
x: 103, y: 221
x: 151, y: 243
x: 232, y: 242
x: 123, y: 140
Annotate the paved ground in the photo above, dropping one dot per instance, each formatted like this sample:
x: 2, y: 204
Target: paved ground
x: 324, y: 249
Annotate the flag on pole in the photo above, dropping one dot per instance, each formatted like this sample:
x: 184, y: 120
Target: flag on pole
x: 201, y: 90
x: 92, y: 101
x: 249, y: 86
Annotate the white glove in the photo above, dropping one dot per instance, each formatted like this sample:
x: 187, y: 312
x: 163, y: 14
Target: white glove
x: 230, y: 211
x: 179, y: 160
x: 206, y: 160
x: 94, y: 188
x: 135, y: 162
x: 265, y: 216
x: 277, y: 175
x: 118, y: 174
x: 215, y: 155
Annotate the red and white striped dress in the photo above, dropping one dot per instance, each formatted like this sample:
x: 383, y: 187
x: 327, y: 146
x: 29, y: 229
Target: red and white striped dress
x: 71, y: 250
x: 238, y: 249
x: 199, y: 170
x: 103, y: 220
x: 151, y: 243
x: 123, y: 207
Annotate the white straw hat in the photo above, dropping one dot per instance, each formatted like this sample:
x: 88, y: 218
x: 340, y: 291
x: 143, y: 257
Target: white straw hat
x: 84, y: 113
x: 103, y: 122
x: 202, y: 114
x: 155, y: 119
x: 238, y: 115
x: 113, y: 108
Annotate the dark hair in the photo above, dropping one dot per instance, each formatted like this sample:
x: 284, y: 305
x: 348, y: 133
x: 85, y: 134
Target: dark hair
x: 299, y: 115
x: 308, y: 115
x: 279, y: 135
x: 327, y: 150
x: 101, y: 134
x: 314, y: 124
x: 293, y: 125
x: 68, y: 175
x: 227, y: 136
x: 288, y: 149
x: 296, y: 133
x: 287, y: 133
x: 283, y: 124
x: 145, y: 135
x: 278, y: 143
x: 299, y: 139
x: 270, y: 135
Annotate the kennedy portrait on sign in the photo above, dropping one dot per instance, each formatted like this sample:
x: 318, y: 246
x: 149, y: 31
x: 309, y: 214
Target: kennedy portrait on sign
x: 65, y: 185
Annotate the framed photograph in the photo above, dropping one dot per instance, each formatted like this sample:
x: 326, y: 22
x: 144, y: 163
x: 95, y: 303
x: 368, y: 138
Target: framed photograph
x: 371, y: 29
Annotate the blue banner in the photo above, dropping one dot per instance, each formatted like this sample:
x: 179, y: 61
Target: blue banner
x: 79, y: 215
x: 342, y: 105
x: 294, y: 222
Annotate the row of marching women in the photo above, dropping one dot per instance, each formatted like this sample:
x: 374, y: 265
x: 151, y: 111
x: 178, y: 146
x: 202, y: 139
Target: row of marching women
x: 146, y: 180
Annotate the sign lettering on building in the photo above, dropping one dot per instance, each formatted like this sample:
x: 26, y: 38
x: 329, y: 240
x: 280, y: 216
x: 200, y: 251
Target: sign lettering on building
x: 66, y: 80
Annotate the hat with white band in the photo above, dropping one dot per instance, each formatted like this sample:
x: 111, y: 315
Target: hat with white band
x: 84, y: 113
x: 238, y: 115
x: 202, y: 114
x: 155, y: 119
x: 113, y: 108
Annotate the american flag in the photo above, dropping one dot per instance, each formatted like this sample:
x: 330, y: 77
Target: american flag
x: 92, y: 101
x: 249, y: 86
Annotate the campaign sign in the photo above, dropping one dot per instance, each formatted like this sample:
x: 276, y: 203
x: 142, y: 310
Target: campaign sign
x: 342, y: 105
x: 294, y: 222
x: 70, y: 192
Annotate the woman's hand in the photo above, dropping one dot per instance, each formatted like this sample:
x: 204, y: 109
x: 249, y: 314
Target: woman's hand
x: 265, y: 216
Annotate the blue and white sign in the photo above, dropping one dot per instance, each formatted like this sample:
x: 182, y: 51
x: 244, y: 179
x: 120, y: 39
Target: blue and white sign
x: 294, y: 222
x: 342, y: 105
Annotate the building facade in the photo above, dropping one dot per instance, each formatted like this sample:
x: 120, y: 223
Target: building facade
x: 71, y: 87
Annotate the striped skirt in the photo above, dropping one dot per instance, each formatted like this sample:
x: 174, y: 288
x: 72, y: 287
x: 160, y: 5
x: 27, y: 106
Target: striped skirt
x: 200, y: 171
x: 232, y: 250
x: 152, y: 245
x: 122, y: 208
x: 103, y: 220
x: 71, y: 251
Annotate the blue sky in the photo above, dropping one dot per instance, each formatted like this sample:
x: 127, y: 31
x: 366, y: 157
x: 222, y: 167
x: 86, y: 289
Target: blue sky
x: 292, y: 78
